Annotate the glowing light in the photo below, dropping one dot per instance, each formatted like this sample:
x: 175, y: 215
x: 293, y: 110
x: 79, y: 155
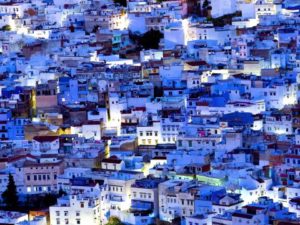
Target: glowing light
x: 292, y: 100
x: 145, y: 169
x: 125, y: 23
x: 280, y: 132
x: 185, y: 27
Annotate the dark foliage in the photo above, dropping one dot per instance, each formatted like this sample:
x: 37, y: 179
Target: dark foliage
x: 10, y: 195
x: 114, y: 221
x: 149, y: 40
x: 121, y: 2
x: 226, y: 19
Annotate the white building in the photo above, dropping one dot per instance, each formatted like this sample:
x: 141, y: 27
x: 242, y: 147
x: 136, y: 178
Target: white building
x: 278, y: 123
x: 76, y: 209
x: 149, y: 134
x: 223, y: 8
x: 45, y: 144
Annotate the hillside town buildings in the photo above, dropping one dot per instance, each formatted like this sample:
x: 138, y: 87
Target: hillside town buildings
x: 150, y: 111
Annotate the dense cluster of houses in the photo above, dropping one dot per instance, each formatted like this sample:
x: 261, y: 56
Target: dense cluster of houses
x: 204, y: 129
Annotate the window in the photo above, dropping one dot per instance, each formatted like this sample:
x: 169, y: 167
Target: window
x: 180, y: 143
x: 78, y: 221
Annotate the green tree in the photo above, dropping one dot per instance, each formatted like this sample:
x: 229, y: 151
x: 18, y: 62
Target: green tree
x: 148, y: 40
x: 49, y: 199
x: 6, y: 28
x: 61, y: 192
x: 114, y: 221
x: 205, y: 4
x: 10, y: 195
x: 95, y: 29
x: 151, y: 39
x: 121, y: 2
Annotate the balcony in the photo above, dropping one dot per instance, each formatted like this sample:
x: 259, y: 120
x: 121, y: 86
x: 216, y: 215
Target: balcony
x: 143, y: 213
x: 117, y: 199
x: 141, y: 206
